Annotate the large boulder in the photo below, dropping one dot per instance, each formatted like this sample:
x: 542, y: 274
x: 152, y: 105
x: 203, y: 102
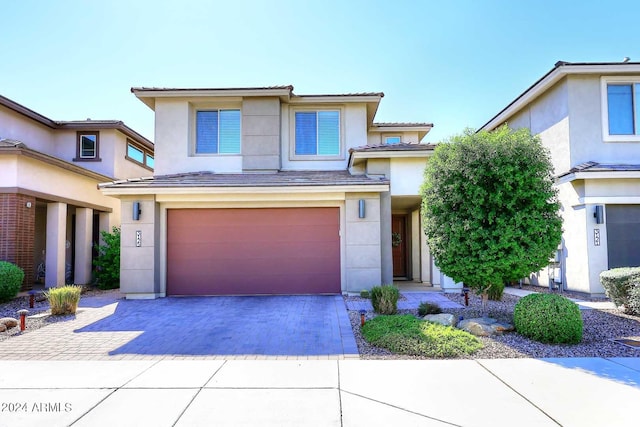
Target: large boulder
x: 9, y: 322
x: 445, y: 319
x: 484, y: 326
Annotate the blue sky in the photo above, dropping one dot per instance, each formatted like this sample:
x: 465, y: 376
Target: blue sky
x: 453, y: 63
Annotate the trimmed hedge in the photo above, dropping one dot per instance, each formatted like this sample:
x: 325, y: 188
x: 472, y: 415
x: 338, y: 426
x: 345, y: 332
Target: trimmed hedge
x: 634, y: 300
x: 11, y: 277
x: 548, y: 318
x: 617, y: 284
x: 384, y: 299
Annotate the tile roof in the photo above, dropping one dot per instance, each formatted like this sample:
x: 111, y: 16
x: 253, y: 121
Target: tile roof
x: 394, y: 147
x: 599, y: 167
x: 380, y: 94
x: 283, y: 87
x: 278, y: 179
x: 402, y: 124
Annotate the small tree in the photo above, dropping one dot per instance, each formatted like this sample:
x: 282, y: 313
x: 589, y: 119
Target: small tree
x: 108, y: 261
x: 489, y: 208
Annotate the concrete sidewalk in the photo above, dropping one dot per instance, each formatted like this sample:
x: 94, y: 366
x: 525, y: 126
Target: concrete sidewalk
x: 508, y: 392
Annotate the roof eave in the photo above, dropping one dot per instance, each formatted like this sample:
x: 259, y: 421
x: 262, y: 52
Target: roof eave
x: 574, y: 176
x: 149, y: 95
x: 117, y: 125
x: 552, y: 77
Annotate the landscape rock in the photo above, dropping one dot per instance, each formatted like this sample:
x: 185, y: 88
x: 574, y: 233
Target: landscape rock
x: 484, y: 326
x: 9, y: 322
x: 445, y: 319
x: 2, y: 327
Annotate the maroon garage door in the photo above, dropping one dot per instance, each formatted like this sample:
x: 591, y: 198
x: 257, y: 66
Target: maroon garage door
x: 253, y: 251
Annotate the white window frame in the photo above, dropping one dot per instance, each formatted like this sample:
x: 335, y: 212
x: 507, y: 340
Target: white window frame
x: 604, y: 109
x: 292, y: 133
x: 194, y: 108
x: 391, y: 135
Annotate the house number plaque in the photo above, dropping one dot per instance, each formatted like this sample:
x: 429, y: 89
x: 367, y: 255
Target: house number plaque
x: 596, y: 236
x: 138, y: 238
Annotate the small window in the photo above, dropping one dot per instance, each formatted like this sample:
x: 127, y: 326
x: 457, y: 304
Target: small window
x: 389, y: 140
x: 135, y: 153
x: 138, y: 154
x: 87, y: 146
x: 218, y: 132
x: 317, y: 133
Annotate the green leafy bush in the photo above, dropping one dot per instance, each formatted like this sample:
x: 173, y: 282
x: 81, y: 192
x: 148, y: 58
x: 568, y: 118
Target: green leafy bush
x: 548, y: 318
x: 365, y: 294
x: 428, y: 308
x: 617, y: 283
x: 384, y: 299
x: 405, y: 334
x: 11, y: 277
x: 495, y: 291
x: 108, y: 261
x: 64, y: 299
x: 634, y: 300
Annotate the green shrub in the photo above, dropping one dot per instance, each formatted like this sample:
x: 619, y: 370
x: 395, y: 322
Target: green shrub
x: 384, y: 299
x: 617, y: 283
x: 634, y: 300
x: 108, y: 261
x: 11, y: 277
x: 428, y: 308
x: 64, y: 299
x: 364, y: 294
x: 548, y: 318
x: 495, y: 291
x: 406, y: 334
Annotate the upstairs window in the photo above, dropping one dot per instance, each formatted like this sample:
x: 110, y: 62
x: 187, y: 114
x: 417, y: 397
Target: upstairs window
x: 87, y: 146
x: 137, y: 154
x: 218, y: 132
x: 317, y: 133
x: 620, y: 109
x: 390, y: 140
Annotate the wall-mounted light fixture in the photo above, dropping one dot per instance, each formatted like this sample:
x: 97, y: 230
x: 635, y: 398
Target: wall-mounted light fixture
x: 361, y: 208
x: 28, y: 205
x: 598, y: 214
x: 136, y: 211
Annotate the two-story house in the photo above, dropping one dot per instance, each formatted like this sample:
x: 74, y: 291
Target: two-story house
x: 262, y: 191
x: 588, y: 116
x: 51, y: 210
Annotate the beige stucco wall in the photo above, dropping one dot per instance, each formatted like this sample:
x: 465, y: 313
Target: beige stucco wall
x: 406, y: 175
x: 261, y: 134
x: 362, y: 243
x: 16, y: 126
x: 175, y: 139
x: 139, y: 265
x: 377, y: 138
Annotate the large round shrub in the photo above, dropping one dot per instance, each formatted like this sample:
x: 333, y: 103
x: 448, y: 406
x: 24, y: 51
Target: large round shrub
x: 548, y: 318
x: 11, y: 277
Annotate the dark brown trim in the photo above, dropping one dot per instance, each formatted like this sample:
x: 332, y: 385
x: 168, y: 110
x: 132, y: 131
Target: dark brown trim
x: 21, y: 109
x: 78, y: 157
x: 145, y: 153
x: 51, y: 198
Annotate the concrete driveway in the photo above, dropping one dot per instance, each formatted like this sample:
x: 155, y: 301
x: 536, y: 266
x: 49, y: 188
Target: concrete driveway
x: 194, y: 327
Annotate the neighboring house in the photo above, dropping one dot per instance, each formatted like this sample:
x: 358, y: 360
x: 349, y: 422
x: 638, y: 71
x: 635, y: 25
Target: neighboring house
x: 588, y: 116
x: 262, y: 191
x: 51, y: 210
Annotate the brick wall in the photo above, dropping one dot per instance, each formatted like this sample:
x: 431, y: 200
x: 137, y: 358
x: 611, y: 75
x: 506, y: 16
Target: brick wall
x: 17, y: 233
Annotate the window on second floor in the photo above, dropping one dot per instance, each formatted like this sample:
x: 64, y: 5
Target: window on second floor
x: 621, y: 109
x: 389, y: 140
x: 87, y: 146
x: 138, y: 154
x: 218, y: 132
x: 317, y: 133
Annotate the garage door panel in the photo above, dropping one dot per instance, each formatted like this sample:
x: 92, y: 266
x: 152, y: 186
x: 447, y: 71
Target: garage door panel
x: 623, y: 235
x: 253, y: 251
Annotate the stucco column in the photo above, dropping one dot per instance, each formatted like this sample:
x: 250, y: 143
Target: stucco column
x: 56, y: 237
x: 84, y: 238
x: 104, y: 223
x: 425, y: 254
x: 385, y: 238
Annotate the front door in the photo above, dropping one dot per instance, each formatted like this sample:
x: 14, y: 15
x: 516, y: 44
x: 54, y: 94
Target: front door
x: 399, y: 245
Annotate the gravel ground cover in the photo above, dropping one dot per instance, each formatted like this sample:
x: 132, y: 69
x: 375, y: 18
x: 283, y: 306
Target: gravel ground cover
x: 40, y: 315
x: 600, y: 328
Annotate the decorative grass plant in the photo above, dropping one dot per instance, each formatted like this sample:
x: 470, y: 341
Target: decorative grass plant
x: 64, y: 299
